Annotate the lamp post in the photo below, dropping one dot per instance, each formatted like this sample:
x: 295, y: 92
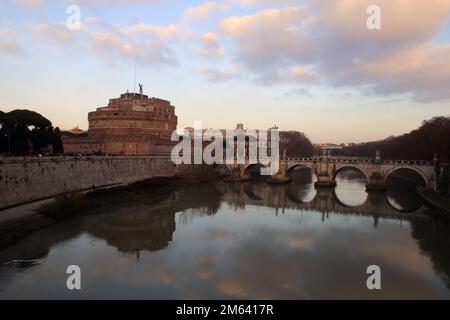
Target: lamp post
x: 8, y: 134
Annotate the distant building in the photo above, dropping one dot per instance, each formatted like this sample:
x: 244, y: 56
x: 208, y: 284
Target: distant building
x: 133, y: 124
x: 74, y: 131
x: 189, y: 131
x: 327, y: 148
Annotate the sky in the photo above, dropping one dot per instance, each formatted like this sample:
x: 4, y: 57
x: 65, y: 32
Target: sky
x: 310, y: 65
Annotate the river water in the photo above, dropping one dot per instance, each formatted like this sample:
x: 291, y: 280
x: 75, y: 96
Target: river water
x: 240, y: 241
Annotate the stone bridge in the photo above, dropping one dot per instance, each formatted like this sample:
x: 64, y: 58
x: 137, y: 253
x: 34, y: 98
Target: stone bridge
x: 326, y: 169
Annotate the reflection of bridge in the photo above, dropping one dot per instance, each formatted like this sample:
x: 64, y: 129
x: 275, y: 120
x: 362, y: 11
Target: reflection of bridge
x: 375, y: 170
x: 325, y: 201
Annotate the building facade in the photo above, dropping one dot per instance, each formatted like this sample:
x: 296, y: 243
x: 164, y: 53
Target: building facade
x: 130, y: 125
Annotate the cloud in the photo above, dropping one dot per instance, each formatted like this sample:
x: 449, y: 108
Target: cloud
x: 166, y: 32
x: 281, y: 42
x: 299, y: 92
x: 33, y: 3
x: 398, y: 59
x: 303, y: 72
x: 7, y: 32
x: 249, y: 3
x: 114, y: 2
x: 423, y: 70
x: 53, y: 33
x: 115, y: 48
x: 8, y: 43
x: 330, y: 39
x: 216, y: 74
x: 140, y: 42
x: 403, y: 22
x: 10, y: 47
x: 211, y: 47
x: 147, y: 44
x: 270, y: 41
x: 205, y: 10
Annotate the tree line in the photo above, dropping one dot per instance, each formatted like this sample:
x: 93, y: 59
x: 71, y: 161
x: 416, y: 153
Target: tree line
x: 296, y: 144
x: 25, y: 132
x: 432, y: 137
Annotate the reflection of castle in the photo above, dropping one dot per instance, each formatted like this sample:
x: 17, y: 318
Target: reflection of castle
x: 144, y: 229
x: 133, y: 124
x: 149, y: 225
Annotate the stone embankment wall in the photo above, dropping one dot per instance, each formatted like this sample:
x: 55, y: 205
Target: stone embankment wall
x: 24, y: 180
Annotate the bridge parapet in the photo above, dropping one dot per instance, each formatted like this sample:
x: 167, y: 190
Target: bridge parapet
x: 326, y: 168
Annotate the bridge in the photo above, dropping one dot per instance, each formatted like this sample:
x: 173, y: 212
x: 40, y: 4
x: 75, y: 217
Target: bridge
x: 326, y: 169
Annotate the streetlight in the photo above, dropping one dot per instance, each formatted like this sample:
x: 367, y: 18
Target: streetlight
x: 8, y: 134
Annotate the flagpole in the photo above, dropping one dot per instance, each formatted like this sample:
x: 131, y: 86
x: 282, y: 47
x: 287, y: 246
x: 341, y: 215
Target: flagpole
x: 134, y: 84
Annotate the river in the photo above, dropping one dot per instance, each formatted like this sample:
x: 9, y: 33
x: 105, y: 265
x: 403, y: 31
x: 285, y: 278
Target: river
x: 240, y: 241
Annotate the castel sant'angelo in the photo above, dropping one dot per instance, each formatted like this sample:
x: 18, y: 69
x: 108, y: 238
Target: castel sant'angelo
x: 133, y: 124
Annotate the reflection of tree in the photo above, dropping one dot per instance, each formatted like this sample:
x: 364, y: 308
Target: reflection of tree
x: 433, y: 237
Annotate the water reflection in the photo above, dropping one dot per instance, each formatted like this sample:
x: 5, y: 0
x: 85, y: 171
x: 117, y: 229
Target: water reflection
x: 302, y: 187
x: 351, y: 187
x: 238, y: 240
x: 404, y: 200
x: 401, y: 192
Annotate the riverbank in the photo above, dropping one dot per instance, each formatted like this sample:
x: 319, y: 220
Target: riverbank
x: 442, y: 203
x: 20, y: 224
x: 25, y: 180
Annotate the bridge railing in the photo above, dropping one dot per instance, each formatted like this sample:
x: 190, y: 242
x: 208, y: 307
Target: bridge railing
x: 359, y: 160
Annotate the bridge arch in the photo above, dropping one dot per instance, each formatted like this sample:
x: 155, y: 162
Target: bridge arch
x: 411, y: 168
x: 350, y: 166
x: 250, y: 167
x: 292, y: 167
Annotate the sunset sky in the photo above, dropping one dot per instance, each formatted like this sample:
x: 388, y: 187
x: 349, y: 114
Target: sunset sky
x: 304, y: 65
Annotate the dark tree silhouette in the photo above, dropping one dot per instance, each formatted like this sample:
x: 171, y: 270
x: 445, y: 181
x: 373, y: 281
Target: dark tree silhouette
x: 433, y: 136
x: 295, y: 143
x: 23, y: 132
